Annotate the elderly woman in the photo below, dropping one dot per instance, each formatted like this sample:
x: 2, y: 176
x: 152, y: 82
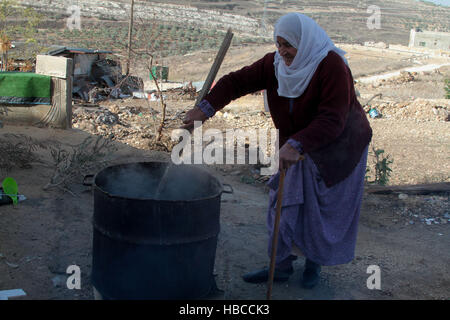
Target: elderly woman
x: 313, y: 104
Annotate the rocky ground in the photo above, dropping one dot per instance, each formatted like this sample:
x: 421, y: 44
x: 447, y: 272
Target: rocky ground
x: 400, y: 121
x: 135, y: 121
x: 405, y: 235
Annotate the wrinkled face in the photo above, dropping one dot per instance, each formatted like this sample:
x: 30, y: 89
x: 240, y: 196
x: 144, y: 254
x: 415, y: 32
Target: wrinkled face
x: 286, y: 51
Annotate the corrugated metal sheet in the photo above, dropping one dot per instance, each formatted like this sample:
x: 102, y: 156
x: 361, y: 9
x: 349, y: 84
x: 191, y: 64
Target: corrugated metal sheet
x: 61, y: 49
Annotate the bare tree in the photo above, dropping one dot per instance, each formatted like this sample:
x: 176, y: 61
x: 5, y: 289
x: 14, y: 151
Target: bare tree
x: 130, y: 33
x: 147, y: 56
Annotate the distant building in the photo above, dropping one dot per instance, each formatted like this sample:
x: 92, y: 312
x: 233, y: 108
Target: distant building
x: 429, y: 39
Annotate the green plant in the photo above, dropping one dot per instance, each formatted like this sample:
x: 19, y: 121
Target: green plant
x: 381, y: 167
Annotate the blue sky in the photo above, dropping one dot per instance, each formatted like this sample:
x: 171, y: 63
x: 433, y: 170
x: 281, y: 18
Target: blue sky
x: 441, y: 2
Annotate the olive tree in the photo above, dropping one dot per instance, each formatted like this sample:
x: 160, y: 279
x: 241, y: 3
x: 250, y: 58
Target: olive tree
x: 17, y: 23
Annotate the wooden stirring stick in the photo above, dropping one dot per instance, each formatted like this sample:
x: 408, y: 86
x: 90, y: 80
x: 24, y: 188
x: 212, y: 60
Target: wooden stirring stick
x: 275, y: 234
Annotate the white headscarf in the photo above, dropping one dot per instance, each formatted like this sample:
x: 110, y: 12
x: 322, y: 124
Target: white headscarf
x: 312, y: 44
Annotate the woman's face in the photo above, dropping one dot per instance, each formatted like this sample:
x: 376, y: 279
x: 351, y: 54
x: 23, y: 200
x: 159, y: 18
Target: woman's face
x: 286, y: 51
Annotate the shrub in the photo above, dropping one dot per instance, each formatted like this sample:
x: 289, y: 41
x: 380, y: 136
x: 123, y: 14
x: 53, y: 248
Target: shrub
x: 381, y: 167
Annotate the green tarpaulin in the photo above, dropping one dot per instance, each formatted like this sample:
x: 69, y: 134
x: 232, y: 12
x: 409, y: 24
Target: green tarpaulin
x: 24, y: 88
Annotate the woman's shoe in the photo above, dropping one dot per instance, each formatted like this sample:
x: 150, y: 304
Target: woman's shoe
x: 262, y: 275
x: 311, y: 275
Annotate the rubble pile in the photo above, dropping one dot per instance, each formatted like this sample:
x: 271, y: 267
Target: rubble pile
x: 188, y: 92
x: 428, y: 210
x: 404, y: 77
x: 132, y: 122
x: 410, y: 209
x: 105, y: 82
x: 419, y: 109
x: 127, y: 125
x: 374, y: 44
x: 21, y: 65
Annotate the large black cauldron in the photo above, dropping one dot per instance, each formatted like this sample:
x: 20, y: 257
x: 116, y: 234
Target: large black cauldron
x: 155, y: 245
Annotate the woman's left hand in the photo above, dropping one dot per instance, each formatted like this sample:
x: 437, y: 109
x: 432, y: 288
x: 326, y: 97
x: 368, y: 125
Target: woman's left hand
x: 288, y: 156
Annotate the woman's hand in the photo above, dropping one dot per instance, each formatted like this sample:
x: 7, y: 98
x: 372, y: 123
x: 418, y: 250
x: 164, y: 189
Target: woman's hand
x: 288, y: 156
x: 195, y: 114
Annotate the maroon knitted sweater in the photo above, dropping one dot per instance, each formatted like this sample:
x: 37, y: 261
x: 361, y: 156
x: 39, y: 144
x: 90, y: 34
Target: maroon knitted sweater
x: 326, y: 119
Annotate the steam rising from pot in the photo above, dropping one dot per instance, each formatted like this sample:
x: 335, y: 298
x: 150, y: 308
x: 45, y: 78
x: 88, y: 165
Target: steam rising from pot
x: 162, y: 181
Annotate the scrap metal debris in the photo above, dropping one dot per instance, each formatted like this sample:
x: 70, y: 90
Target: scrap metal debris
x: 105, y: 82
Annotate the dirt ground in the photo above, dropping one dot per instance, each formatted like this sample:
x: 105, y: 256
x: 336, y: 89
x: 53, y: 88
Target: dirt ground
x: 52, y: 230
x: 407, y: 236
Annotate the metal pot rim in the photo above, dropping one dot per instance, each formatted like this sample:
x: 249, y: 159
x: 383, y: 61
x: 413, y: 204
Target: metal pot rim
x: 215, y: 195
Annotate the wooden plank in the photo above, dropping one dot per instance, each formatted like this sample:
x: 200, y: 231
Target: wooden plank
x: 216, y: 65
x: 58, y: 67
x: 24, y: 114
x: 67, y: 107
x: 419, y: 189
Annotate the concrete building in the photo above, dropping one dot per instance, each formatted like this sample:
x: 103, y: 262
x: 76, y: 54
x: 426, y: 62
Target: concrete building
x: 429, y: 39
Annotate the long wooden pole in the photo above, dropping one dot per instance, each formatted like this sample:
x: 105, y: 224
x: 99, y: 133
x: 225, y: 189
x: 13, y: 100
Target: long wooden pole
x: 276, y: 228
x: 130, y: 33
x: 216, y: 65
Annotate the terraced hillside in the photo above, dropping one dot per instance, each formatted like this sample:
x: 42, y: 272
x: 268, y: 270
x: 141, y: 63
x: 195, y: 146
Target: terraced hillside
x: 178, y: 27
x: 165, y: 29
x: 346, y: 20
x: 148, y: 11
